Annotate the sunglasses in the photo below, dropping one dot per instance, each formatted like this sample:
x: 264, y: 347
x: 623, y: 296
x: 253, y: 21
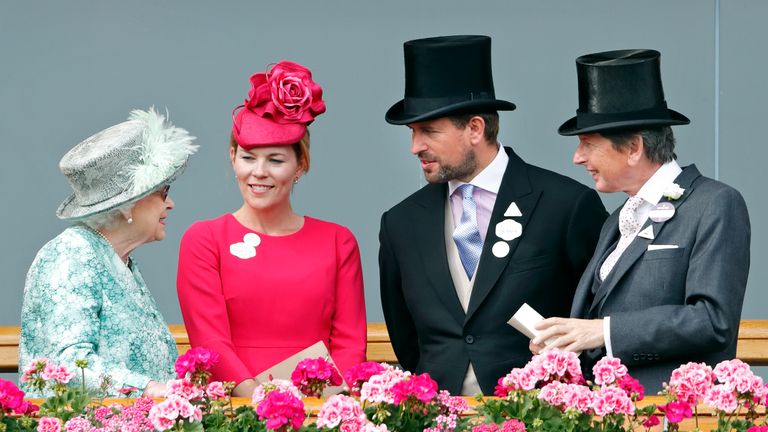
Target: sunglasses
x: 164, y: 192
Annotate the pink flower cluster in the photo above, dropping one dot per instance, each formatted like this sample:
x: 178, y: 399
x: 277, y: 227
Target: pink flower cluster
x: 358, y: 374
x: 261, y: 391
x: 196, y: 360
x: 343, y: 412
x: 513, y: 425
x: 608, y: 370
x: 184, y: 389
x: 378, y: 389
x: 172, y: 410
x: 416, y: 387
x: 12, y: 399
x: 737, y: 376
x: 41, y: 372
x: 115, y: 418
x: 313, y: 375
x: 281, y: 409
x: 676, y: 411
x: 758, y: 429
x: 690, y: 382
x: 450, y: 407
x: 49, y: 424
x: 550, y: 366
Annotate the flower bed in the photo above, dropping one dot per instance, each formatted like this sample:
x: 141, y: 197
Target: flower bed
x: 548, y: 394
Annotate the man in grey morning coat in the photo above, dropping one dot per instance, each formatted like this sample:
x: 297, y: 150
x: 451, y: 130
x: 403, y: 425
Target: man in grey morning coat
x: 666, y: 283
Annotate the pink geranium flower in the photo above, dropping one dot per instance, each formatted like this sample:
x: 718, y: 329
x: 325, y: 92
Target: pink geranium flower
x: 417, y: 387
x: 216, y: 390
x: 608, y: 370
x: 612, y: 400
x: 358, y: 374
x: 198, y: 360
x: 184, y: 389
x: 11, y: 398
x: 281, y: 409
x: 676, y: 411
x: 49, y: 424
x: 513, y: 425
x: 721, y: 398
x: 632, y: 387
x: 313, y: 375
x: 262, y: 390
x: 690, y: 382
x: 57, y: 373
x: 165, y: 414
x: 343, y: 412
x: 378, y: 389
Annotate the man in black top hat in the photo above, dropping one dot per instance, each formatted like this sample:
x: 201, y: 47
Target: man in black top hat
x: 667, y: 280
x: 487, y: 234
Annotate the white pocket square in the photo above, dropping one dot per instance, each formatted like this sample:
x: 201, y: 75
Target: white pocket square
x: 653, y: 247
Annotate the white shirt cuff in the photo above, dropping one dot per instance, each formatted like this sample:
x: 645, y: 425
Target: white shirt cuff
x: 607, y: 336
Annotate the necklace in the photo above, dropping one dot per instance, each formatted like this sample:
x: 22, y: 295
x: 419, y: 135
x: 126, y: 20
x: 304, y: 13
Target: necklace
x: 98, y: 233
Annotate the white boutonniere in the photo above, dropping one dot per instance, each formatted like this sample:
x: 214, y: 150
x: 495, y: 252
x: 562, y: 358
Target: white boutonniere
x: 673, y: 191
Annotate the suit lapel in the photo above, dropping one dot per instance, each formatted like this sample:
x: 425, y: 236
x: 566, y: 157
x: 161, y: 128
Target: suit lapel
x: 515, y: 187
x: 639, y: 245
x: 431, y: 243
x: 608, y: 237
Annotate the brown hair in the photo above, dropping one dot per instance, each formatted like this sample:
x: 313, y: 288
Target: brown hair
x: 301, y: 149
x: 491, y: 120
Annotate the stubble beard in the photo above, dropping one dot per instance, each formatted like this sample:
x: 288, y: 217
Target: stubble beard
x: 446, y: 173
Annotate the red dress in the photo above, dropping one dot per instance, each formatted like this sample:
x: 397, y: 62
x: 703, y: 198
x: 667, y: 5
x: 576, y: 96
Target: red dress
x: 256, y: 306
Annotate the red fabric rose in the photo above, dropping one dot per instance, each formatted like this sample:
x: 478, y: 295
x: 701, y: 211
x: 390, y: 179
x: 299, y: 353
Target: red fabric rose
x: 286, y: 94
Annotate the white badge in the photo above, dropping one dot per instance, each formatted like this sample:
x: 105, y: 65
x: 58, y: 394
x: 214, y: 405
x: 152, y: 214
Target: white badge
x: 242, y: 250
x: 662, y: 211
x: 512, y: 211
x: 508, y: 229
x: 500, y: 249
x: 647, y: 233
x: 252, y: 239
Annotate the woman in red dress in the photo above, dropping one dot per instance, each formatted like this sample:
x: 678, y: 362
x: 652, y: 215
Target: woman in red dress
x: 262, y: 283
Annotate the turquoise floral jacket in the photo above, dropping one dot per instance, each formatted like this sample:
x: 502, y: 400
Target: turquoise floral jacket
x: 82, y: 302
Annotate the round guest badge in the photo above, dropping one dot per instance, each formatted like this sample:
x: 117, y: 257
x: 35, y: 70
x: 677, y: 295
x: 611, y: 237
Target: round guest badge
x: 252, y: 239
x: 508, y: 229
x: 662, y: 211
x: 500, y: 249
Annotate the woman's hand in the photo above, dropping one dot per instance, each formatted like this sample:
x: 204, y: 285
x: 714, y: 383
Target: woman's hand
x: 154, y: 389
x: 245, y: 388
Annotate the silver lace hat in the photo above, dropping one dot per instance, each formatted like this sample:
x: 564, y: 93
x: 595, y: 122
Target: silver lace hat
x: 123, y: 163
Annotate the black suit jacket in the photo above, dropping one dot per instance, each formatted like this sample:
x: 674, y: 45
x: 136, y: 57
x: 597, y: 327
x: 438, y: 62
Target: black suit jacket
x: 429, y: 330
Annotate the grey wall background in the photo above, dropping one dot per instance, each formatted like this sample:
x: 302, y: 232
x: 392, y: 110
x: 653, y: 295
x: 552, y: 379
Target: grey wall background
x: 72, y: 68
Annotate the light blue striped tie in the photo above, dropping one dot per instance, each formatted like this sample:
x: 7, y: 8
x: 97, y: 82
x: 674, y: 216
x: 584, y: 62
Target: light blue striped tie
x: 466, y: 235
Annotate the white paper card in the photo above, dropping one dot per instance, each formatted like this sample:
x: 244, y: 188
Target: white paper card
x: 524, y: 319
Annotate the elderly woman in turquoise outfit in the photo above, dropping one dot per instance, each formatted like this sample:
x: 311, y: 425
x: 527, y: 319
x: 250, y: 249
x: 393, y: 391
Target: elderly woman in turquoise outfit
x: 84, y: 296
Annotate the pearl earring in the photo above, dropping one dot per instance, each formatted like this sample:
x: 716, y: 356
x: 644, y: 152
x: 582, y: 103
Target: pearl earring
x: 296, y: 180
x: 130, y: 220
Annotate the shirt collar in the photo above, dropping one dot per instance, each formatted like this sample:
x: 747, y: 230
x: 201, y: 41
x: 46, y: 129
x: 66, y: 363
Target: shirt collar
x: 490, y: 177
x: 654, y: 188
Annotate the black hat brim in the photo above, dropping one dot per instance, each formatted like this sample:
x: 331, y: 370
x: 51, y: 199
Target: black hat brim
x: 396, y: 114
x: 570, y: 127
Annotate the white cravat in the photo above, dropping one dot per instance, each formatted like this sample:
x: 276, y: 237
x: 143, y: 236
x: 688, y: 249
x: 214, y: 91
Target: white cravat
x: 628, y: 227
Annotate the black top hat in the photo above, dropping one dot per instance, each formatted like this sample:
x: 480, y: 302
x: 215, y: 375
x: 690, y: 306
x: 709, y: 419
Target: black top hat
x: 620, y: 90
x: 446, y: 75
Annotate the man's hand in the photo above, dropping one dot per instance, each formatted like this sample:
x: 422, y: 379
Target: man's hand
x: 568, y: 334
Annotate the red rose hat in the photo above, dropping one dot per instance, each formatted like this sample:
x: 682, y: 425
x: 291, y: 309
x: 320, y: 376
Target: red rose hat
x: 281, y: 104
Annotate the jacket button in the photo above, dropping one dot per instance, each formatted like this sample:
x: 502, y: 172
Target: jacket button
x: 636, y: 357
x: 469, y: 339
